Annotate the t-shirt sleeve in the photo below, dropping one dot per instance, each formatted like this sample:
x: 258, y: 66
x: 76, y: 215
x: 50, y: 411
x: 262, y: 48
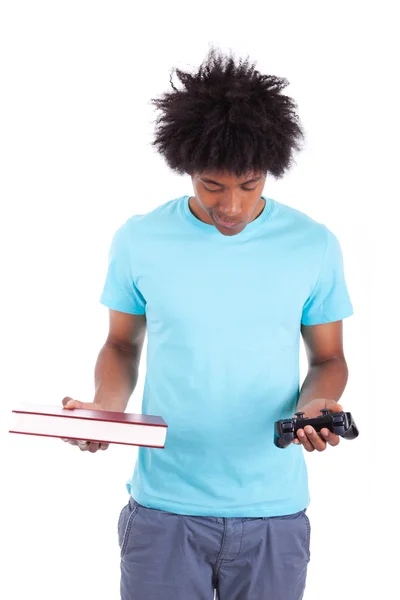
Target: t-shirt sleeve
x: 329, y: 300
x: 119, y: 291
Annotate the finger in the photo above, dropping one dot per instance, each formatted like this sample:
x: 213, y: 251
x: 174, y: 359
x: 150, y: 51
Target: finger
x: 104, y: 446
x: 83, y: 444
x: 331, y: 438
x: 93, y: 446
x: 304, y: 441
x: 318, y: 443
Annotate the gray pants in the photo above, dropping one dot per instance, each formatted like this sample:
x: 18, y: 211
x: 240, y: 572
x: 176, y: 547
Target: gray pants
x: 165, y: 556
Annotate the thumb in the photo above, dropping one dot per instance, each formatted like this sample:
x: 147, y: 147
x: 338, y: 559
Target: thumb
x: 335, y: 407
x: 71, y: 403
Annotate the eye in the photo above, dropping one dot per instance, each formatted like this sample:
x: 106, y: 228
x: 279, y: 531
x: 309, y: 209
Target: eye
x: 243, y: 188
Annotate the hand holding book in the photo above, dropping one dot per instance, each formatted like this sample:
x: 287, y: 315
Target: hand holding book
x: 83, y: 445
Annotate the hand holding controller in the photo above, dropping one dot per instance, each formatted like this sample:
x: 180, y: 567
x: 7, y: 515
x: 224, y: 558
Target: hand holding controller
x: 340, y: 423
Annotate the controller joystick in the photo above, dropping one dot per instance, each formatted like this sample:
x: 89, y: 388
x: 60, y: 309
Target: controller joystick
x: 325, y: 411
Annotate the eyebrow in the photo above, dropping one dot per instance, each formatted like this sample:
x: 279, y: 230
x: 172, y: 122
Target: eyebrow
x: 207, y: 180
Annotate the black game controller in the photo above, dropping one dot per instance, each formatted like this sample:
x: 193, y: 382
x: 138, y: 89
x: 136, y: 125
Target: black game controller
x: 340, y: 423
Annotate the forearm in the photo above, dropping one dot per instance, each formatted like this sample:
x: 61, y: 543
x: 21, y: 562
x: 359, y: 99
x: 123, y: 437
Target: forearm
x: 324, y: 380
x: 116, y: 375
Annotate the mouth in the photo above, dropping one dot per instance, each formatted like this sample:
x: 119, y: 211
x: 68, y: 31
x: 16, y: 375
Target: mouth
x: 227, y: 224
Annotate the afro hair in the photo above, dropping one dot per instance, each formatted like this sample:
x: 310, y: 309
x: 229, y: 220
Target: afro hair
x: 227, y: 118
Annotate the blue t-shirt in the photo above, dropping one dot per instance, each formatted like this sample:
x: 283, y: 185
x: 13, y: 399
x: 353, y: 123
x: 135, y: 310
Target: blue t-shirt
x: 223, y: 340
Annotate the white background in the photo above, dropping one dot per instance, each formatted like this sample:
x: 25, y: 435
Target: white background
x: 76, y: 124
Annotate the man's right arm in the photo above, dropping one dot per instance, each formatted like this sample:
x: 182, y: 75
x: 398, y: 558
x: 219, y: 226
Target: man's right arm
x: 117, y: 365
x: 116, y: 371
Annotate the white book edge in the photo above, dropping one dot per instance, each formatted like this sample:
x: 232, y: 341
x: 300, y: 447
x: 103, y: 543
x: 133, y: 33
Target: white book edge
x: 84, y: 429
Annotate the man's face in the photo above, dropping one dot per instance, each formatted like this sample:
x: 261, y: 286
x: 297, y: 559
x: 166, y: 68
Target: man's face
x: 226, y: 201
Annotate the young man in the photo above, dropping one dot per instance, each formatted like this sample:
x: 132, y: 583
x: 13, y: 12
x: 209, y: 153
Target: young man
x: 224, y: 282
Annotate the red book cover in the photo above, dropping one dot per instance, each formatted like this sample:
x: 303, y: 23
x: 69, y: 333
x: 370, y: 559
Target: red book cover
x: 96, y: 415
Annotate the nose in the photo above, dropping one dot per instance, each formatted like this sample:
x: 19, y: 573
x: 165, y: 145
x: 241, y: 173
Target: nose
x: 230, y: 205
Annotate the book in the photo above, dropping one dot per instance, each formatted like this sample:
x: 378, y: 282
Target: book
x: 95, y: 425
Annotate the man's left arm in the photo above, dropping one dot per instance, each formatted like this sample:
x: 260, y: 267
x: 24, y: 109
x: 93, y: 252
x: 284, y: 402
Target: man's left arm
x: 325, y: 381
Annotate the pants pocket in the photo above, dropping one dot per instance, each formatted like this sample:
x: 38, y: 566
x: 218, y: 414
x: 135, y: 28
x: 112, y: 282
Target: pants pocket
x: 126, y: 518
x: 292, y: 535
x: 308, y: 533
